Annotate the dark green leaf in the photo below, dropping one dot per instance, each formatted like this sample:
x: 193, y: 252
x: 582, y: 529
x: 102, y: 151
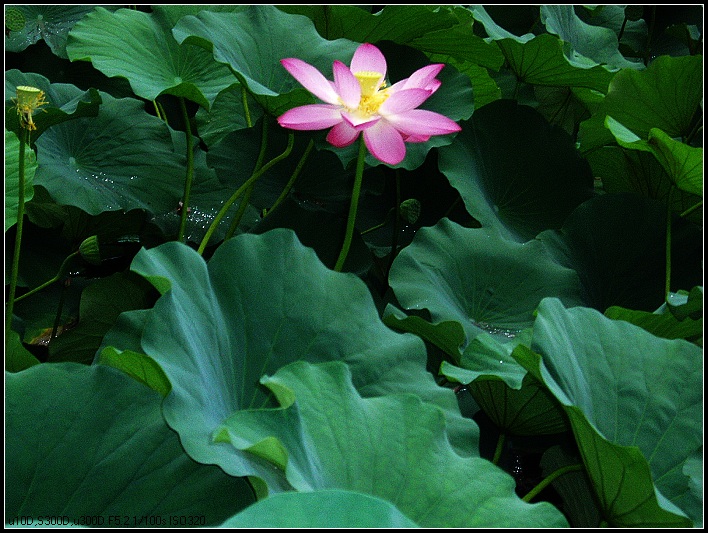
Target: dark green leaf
x: 331, y: 508
x: 514, y: 172
x: 92, y: 443
x: 134, y: 45
x: 393, y: 447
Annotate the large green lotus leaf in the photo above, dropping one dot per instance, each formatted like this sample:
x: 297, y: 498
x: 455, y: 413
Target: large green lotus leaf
x: 50, y: 23
x: 320, y: 509
x: 135, y: 45
x: 126, y: 332
x: 494, y: 31
x: 461, y: 45
x: 449, y: 336
x: 540, y: 61
x: 443, y: 33
x: 398, y: 23
x: 682, y: 163
x: 64, y: 102
x: 662, y: 324
x: 624, y: 21
x: 622, y: 480
x: 561, y: 106
x: 138, y: 366
x: 621, y: 170
x: 440, y: 31
x: 666, y: 96
x: 503, y: 388
x: 254, y: 52
x: 261, y: 302
x: 487, y: 356
x: 617, y: 245
x: 122, y: 159
x: 227, y: 114
x: 89, y: 441
x: 514, y: 171
x: 169, y: 15
x: 12, y: 177
x: 635, y: 404
x: 484, y: 87
x: 479, y: 279
x: 394, y: 447
x: 596, y: 43
x: 530, y: 410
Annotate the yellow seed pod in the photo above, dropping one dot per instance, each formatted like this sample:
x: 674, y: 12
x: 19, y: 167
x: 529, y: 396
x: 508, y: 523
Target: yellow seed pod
x: 28, y: 100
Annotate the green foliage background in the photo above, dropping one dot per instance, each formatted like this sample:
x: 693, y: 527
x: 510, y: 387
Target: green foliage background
x: 526, y: 352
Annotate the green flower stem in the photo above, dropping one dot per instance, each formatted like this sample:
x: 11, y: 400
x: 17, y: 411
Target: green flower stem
x: 259, y: 163
x: 190, y: 171
x: 246, y: 111
x: 354, y: 204
x: 62, y: 271
x: 235, y: 196
x: 60, y: 310
x: 239, y: 212
x: 667, y: 286
x: 157, y: 110
x: 499, y: 449
x: 24, y: 137
x: 550, y: 479
x: 293, y: 178
x: 691, y: 209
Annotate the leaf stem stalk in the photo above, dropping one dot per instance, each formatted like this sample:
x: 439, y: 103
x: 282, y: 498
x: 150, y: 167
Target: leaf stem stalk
x: 550, y: 479
x: 60, y: 275
x: 236, y: 195
x: 667, y: 287
x: 499, y: 449
x: 259, y: 163
x: 293, y: 178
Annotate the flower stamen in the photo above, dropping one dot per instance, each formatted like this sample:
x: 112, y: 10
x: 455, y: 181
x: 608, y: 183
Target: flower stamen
x: 372, y: 92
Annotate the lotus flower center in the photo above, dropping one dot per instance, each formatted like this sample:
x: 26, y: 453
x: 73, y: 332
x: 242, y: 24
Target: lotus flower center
x: 371, y: 96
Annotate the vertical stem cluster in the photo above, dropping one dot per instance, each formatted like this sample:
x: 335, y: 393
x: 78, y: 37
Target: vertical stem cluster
x: 259, y: 163
x: 243, y: 188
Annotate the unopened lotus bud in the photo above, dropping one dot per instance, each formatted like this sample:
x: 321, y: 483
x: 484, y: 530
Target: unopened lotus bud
x: 409, y: 210
x: 89, y: 250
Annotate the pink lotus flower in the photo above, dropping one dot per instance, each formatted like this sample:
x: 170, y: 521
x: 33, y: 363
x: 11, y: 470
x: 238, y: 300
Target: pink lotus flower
x: 359, y: 101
